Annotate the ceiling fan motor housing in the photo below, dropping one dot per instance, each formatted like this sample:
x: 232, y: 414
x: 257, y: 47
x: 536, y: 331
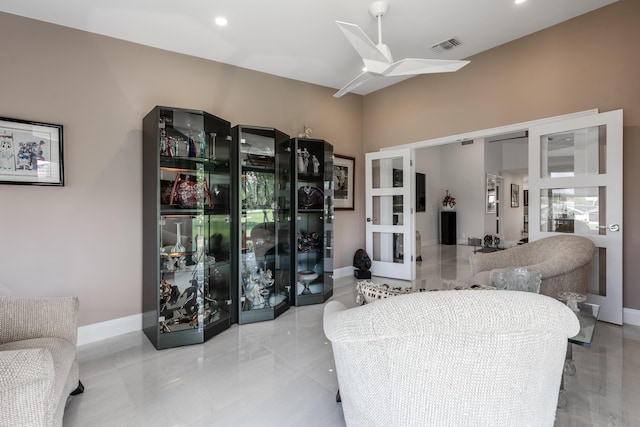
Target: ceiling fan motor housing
x: 378, y: 8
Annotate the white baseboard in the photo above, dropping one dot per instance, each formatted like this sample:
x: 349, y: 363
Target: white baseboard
x: 343, y: 272
x: 110, y: 328
x: 631, y: 316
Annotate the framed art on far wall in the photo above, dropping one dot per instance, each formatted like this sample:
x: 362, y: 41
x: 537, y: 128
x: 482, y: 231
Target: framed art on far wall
x: 30, y: 153
x: 344, y: 169
x: 515, y: 195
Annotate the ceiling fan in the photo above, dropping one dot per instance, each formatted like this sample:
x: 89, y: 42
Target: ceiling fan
x: 377, y: 57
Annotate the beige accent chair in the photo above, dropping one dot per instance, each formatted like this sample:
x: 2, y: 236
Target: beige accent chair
x: 451, y: 358
x: 38, y: 366
x: 564, y: 262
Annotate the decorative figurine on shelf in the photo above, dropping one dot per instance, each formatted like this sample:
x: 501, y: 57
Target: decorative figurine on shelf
x: 307, y: 132
x: 316, y: 165
x: 303, y: 160
x: 253, y: 294
x: 182, y: 262
x: 183, y: 309
x: 169, y: 264
x: 171, y: 149
x: 191, y: 144
x: 163, y: 142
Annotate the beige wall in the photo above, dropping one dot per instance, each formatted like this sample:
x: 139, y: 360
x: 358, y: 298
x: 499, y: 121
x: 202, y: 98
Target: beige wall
x: 588, y: 62
x: 85, y: 238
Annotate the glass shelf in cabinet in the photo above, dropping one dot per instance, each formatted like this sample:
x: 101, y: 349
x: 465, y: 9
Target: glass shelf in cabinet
x: 184, y: 164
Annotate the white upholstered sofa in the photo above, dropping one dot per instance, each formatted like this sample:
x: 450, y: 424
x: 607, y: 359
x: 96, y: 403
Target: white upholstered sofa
x: 563, y: 260
x: 451, y: 358
x: 38, y: 367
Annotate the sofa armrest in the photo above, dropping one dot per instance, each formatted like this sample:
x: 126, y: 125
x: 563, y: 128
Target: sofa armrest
x: 26, y: 318
x: 490, y: 261
x: 25, y: 386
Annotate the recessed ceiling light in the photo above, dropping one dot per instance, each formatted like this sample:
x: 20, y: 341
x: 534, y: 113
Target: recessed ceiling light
x: 221, y: 21
x: 520, y: 1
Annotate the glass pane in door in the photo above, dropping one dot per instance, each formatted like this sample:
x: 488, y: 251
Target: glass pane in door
x: 597, y: 284
x: 573, y: 210
x: 387, y: 173
x: 388, y: 247
x: 387, y: 210
x: 574, y: 153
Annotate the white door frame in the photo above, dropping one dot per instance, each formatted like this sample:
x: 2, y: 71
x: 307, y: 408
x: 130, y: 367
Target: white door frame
x: 383, y: 259
x: 488, y: 132
x: 610, y: 235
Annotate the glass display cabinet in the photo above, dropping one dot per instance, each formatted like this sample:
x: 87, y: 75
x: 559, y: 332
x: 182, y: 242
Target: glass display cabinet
x: 305, y: 200
x: 263, y: 238
x: 187, y: 246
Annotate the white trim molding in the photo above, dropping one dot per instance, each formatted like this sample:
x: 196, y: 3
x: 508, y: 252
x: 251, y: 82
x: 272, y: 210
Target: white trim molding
x: 112, y: 328
x: 631, y: 316
x: 108, y: 329
x: 343, y: 272
x: 471, y: 136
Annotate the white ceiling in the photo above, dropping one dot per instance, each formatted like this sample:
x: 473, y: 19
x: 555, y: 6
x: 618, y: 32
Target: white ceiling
x: 299, y: 39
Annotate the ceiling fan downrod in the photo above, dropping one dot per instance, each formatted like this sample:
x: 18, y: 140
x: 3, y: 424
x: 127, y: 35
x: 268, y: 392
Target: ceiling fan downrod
x: 377, y: 10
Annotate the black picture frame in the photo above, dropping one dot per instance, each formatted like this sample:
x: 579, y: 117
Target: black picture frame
x: 344, y: 175
x: 31, y: 153
x: 421, y: 193
x: 515, y: 196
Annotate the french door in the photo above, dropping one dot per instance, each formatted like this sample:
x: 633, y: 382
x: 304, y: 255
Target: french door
x: 575, y: 186
x: 390, y: 235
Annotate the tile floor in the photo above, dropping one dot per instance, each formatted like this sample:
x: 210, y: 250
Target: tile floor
x: 281, y: 373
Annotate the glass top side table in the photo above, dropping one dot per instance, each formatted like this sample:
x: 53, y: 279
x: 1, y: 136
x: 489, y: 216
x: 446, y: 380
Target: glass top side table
x: 588, y: 317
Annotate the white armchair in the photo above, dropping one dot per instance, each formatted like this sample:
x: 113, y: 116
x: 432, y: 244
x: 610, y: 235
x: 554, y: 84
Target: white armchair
x: 38, y: 366
x: 463, y: 358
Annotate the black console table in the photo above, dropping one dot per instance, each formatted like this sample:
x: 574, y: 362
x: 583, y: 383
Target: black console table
x: 448, y: 227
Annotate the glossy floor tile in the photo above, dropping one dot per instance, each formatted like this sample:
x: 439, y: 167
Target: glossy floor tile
x: 281, y: 372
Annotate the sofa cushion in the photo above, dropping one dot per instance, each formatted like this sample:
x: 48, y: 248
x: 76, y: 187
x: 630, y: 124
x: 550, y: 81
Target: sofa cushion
x: 62, y: 353
x: 26, y: 378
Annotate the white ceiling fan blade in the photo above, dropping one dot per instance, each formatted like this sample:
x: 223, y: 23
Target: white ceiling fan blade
x: 363, y: 77
x: 413, y: 66
x: 366, y: 48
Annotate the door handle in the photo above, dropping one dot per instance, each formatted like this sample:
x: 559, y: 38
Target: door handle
x: 610, y: 227
x: 368, y: 219
x: 371, y: 220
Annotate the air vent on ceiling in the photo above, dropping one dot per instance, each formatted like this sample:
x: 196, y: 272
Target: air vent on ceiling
x: 446, y: 45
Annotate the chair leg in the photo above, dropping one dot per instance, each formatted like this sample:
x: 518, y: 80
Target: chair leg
x: 78, y: 390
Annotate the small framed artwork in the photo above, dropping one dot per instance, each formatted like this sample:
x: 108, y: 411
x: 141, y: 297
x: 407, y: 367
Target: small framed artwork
x: 491, y: 193
x: 30, y: 153
x: 515, y: 193
x: 344, y: 169
x: 421, y: 193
